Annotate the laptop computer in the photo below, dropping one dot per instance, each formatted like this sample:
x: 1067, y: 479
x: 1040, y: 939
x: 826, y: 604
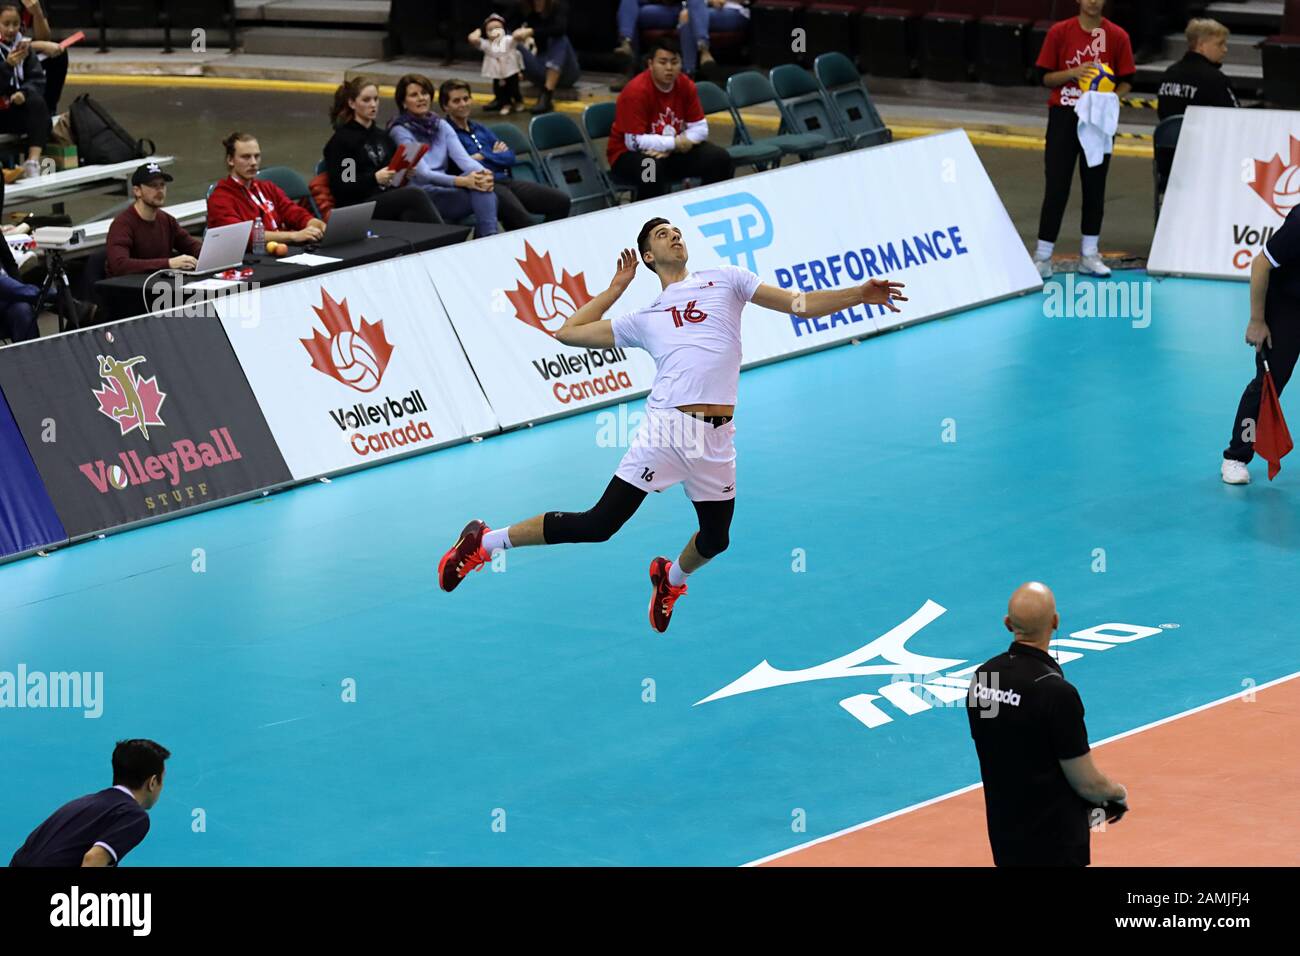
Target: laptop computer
x: 223, y: 248
x: 348, y: 224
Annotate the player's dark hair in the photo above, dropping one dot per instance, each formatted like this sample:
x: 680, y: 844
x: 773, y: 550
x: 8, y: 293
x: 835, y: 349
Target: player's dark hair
x: 665, y: 42
x: 643, y: 238
x: 135, y: 761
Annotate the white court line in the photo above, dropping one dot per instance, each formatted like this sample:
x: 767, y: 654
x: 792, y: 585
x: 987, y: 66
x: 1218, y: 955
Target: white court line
x: 975, y: 786
x: 277, y: 723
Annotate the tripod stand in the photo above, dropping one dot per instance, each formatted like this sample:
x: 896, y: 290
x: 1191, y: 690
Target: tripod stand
x: 56, y: 292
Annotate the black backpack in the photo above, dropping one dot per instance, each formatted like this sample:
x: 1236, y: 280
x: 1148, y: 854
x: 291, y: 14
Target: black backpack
x: 100, y: 139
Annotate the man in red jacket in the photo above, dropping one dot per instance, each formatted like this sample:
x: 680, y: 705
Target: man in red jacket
x: 241, y: 196
x: 660, y: 134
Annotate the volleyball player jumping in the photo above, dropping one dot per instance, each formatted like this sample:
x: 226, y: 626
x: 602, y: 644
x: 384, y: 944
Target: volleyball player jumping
x: 692, y: 330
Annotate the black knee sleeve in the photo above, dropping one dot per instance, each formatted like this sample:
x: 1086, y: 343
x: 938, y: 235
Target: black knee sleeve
x: 715, y: 525
x: 616, y: 505
x: 712, y: 544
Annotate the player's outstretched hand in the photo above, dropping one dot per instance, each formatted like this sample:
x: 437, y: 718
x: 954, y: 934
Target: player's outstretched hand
x: 883, y: 292
x: 626, y: 270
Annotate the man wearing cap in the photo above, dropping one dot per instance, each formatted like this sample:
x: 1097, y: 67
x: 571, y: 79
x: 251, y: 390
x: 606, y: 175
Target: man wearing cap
x: 1042, y: 791
x: 143, y: 238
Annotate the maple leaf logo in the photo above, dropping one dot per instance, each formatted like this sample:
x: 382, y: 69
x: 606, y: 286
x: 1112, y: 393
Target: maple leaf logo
x: 131, y: 401
x: 1268, y: 174
x: 667, y: 123
x: 548, y: 301
x: 355, y: 357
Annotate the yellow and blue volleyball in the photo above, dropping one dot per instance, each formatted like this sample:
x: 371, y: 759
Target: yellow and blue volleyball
x: 1100, y: 78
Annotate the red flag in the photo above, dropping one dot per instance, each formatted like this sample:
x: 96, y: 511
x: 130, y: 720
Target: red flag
x: 1272, y: 439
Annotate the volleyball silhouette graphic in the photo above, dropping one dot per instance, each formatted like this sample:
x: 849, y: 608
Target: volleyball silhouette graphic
x: 1099, y: 78
x: 354, y: 362
x: 357, y: 356
x: 1286, y: 191
x: 553, y: 305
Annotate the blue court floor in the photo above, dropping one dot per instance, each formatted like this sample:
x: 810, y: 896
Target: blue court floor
x: 508, y: 723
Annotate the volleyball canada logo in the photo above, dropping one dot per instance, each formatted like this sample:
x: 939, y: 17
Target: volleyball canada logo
x: 548, y: 301
x: 356, y: 357
x: 1277, y: 181
x: 131, y: 401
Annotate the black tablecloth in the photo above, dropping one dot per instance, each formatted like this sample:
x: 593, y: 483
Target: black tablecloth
x: 125, y: 296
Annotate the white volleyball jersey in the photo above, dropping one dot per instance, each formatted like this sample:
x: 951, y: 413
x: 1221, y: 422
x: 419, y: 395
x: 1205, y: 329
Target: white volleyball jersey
x: 692, y: 331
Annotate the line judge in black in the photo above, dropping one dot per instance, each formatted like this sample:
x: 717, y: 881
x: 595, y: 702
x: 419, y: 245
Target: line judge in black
x: 1041, y: 787
x: 101, y: 828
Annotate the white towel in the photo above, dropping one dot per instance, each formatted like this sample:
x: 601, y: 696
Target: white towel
x: 1098, y: 119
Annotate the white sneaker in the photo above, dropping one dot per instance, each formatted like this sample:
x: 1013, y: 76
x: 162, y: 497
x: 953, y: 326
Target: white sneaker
x: 1093, y: 266
x: 1044, y: 267
x: 1235, y: 472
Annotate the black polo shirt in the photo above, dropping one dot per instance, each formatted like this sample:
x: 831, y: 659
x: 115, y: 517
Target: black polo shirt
x: 1283, y: 251
x: 110, y: 818
x: 1025, y: 717
x: 1193, y: 81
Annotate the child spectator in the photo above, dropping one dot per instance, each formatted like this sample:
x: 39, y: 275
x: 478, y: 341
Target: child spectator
x: 502, y: 62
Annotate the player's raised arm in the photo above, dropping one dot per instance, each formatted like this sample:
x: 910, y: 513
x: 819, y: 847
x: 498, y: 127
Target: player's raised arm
x: 813, y: 305
x: 587, y: 327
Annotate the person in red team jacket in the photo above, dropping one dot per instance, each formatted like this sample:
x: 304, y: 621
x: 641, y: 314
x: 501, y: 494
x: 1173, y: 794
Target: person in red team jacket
x: 1071, y: 48
x: 241, y: 196
x: 660, y: 134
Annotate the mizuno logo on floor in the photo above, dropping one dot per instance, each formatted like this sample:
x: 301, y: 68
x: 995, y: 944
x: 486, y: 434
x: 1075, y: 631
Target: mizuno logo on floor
x: 916, y: 682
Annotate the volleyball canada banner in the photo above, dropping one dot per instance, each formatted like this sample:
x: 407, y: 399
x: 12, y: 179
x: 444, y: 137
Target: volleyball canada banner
x: 921, y: 211
x: 1235, y: 178
x: 138, y: 420
x: 356, y: 367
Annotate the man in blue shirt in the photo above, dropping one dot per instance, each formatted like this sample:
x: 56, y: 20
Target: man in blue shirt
x: 1274, y: 331
x: 101, y: 828
x: 517, y: 199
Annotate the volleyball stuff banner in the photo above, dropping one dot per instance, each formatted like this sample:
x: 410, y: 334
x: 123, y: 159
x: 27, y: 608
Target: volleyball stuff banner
x: 139, y: 420
x: 27, y: 518
x: 921, y: 211
x: 356, y: 367
x: 1236, y: 176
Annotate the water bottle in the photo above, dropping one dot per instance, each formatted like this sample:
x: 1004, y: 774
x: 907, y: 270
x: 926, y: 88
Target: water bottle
x: 259, y: 237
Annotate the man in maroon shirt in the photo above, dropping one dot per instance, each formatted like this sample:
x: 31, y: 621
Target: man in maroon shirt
x: 241, y: 196
x: 659, y: 133
x: 143, y: 238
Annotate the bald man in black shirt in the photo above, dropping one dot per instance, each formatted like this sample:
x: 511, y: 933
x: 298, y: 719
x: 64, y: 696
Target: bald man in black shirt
x: 1041, y: 786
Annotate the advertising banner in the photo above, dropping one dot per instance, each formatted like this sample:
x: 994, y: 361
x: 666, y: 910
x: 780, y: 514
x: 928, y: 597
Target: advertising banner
x: 921, y: 211
x: 27, y: 518
x: 1236, y: 176
x: 138, y: 420
x: 356, y: 367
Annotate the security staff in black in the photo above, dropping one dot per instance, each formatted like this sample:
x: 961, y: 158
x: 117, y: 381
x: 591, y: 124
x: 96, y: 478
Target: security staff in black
x: 1042, y: 791
x: 1273, y: 330
x: 1197, y: 79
